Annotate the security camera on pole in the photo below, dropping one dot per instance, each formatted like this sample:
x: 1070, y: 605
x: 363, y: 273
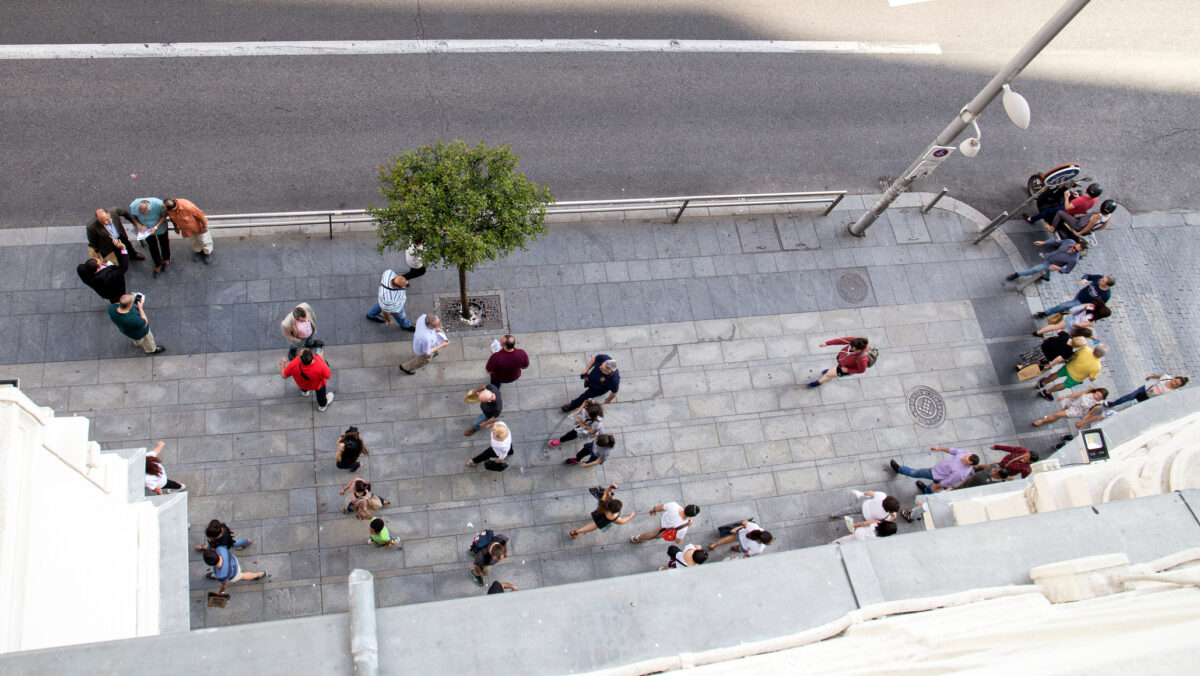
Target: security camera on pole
x: 1014, y: 104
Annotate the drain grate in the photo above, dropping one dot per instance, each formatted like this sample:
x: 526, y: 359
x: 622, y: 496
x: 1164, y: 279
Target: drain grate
x: 852, y: 287
x: 487, y: 311
x: 926, y: 406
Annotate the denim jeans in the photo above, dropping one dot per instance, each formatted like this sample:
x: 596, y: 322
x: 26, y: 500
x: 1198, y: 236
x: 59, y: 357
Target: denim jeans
x: 479, y: 419
x: 1141, y: 391
x: 590, y: 393
x: 1063, y: 307
x: 1040, y: 268
x: 240, y: 542
x: 399, y: 316
x: 294, y: 348
x: 923, y: 473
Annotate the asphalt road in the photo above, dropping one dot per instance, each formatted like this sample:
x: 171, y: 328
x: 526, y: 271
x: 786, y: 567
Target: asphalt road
x: 297, y: 133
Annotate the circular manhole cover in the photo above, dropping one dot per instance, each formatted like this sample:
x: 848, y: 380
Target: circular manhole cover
x: 926, y: 406
x: 852, y: 288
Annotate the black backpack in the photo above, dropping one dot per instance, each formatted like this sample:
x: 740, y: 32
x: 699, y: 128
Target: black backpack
x: 481, y: 541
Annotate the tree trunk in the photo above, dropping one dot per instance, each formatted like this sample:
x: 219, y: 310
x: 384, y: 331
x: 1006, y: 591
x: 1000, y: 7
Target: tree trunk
x: 462, y: 290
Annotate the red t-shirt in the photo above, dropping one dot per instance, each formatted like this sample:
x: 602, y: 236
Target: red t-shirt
x: 848, y: 359
x: 506, y: 367
x: 311, y: 377
x: 1081, y: 204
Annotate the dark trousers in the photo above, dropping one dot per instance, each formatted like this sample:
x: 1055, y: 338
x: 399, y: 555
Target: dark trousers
x: 307, y: 342
x: 413, y: 273
x: 173, y: 485
x: 488, y: 455
x: 569, y: 436
x: 348, y: 464
x: 585, y: 454
x: 321, y: 397
x: 589, y: 393
x: 160, y: 248
x: 123, y: 258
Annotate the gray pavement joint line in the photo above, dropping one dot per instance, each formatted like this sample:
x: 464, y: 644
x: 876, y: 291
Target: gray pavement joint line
x: 455, y: 46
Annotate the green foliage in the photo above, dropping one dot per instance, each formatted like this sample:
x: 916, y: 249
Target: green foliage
x: 462, y: 205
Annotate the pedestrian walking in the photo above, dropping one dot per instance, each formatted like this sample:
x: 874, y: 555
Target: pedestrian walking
x: 505, y: 365
x: 493, y: 456
x: 1068, y: 226
x: 600, y: 376
x: 752, y: 539
x: 390, y: 303
x: 1162, y: 384
x: 226, y: 569
x: 594, y: 452
x: 852, y: 359
x: 982, y: 476
x: 489, y: 549
x: 191, y: 224
x: 867, y: 530
x: 416, y: 266
x: 490, y: 407
x: 106, y: 279
x: 362, y: 500
x: 1056, y: 349
x: 589, y: 422
x: 219, y: 534
x: 134, y: 325
x: 156, y: 474
x: 1088, y: 405
x: 1081, y: 316
x: 1083, y: 366
x: 947, y: 472
x: 672, y: 525
x: 875, y: 506
x: 1062, y: 259
x: 349, y: 447
x: 688, y: 556
x: 107, y: 238
x: 427, y: 340
x: 1017, y: 459
x: 1094, y: 288
x: 607, y: 512
x: 150, y: 217
x: 499, y: 587
x: 299, y: 328
x: 381, y: 537
x: 311, y: 374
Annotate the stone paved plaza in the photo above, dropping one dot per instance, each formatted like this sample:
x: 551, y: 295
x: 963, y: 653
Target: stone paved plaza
x: 715, y: 322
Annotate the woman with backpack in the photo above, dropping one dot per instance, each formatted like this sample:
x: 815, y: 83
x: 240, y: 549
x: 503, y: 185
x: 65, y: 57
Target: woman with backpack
x: 854, y: 358
x: 607, y: 512
x: 362, y: 499
x: 349, y: 446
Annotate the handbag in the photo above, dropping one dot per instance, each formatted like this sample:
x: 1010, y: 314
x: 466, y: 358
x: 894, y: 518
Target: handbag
x: 668, y: 534
x: 1029, y: 372
x: 111, y: 258
x: 1054, y: 318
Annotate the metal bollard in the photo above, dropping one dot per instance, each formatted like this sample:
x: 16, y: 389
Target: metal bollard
x: 680, y: 212
x: 364, y: 643
x: 996, y: 222
x: 940, y: 195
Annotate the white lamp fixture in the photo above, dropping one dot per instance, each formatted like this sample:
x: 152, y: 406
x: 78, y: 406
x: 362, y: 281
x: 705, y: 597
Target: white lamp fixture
x: 970, y: 147
x: 1016, y: 107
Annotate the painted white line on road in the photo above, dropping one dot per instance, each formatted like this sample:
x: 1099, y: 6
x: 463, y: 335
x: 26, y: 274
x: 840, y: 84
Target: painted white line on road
x: 367, y: 47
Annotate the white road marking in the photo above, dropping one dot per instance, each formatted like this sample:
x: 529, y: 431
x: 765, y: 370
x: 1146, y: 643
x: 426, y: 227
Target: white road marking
x: 367, y: 47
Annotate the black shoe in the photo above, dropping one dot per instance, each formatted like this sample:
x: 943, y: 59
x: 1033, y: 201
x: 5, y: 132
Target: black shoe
x: 411, y: 373
x: 1046, y: 395
x: 895, y: 466
x: 1067, y: 437
x: 596, y: 492
x: 1035, y: 334
x: 154, y: 274
x: 1039, y: 315
x: 356, y: 466
x: 565, y: 409
x: 1011, y: 277
x: 377, y: 320
x: 1045, y: 276
x: 208, y: 259
x: 410, y: 328
x: 160, y: 348
x: 922, y: 486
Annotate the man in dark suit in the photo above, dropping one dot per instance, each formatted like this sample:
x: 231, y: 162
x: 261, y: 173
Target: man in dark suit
x: 106, y: 235
x: 108, y: 281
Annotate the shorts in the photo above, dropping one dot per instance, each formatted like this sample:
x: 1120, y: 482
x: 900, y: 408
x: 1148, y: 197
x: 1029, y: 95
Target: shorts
x: 1069, y: 382
x: 841, y: 373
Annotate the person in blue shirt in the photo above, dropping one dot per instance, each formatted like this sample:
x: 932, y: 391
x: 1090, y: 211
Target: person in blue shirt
x: 1095, y: 287
x: 225, y: 568
x: 1062, y: 259
x: 150, y: 214
x: 600, y: 376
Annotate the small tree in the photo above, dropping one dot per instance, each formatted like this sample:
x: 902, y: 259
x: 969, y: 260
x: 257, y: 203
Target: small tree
x: 461, y: 205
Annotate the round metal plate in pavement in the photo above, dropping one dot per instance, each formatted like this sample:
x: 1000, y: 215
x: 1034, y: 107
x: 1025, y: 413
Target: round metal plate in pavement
x: 852, y: 288
x: 926, y: 406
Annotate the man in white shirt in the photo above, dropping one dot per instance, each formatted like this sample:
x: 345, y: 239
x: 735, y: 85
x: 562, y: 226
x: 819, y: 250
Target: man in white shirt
x: 876, y: 505
x: 427, y: 340
x: 674, y: 518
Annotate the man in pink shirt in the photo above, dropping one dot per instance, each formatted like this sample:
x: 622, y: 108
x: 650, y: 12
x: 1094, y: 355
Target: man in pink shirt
x: 949, y: 472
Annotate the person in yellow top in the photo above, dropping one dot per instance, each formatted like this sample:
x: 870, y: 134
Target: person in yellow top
x: 190, y: 223
x: 1083, y: 366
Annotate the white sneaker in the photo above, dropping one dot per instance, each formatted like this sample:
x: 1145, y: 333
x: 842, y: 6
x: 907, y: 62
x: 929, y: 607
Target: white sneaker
x: 849, y: 523
x: 306, y: 393
x: 328, y: 401
x: 858, y: 495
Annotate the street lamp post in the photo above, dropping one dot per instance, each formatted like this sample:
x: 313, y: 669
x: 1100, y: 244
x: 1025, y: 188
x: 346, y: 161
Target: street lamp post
x: 970, y: 113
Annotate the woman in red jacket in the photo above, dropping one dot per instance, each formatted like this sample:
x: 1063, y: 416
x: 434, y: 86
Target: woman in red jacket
x: 311, y: 374
x: 852, y: 359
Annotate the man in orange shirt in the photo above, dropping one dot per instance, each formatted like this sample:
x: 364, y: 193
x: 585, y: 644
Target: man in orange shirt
x: 190, y: 223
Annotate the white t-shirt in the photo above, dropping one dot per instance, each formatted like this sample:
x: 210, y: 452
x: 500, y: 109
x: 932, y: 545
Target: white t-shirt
x: 872, y: 508
x: 750, y: 547
x: 679, y: 558
x: 502, y: 447
x: 1159, y: 386
x: 865, y: 532
x: 154, y: 481
x: 671, y: 519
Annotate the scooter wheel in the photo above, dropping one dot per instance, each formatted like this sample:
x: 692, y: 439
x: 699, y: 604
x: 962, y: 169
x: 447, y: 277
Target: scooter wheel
x: 1035, y: 184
